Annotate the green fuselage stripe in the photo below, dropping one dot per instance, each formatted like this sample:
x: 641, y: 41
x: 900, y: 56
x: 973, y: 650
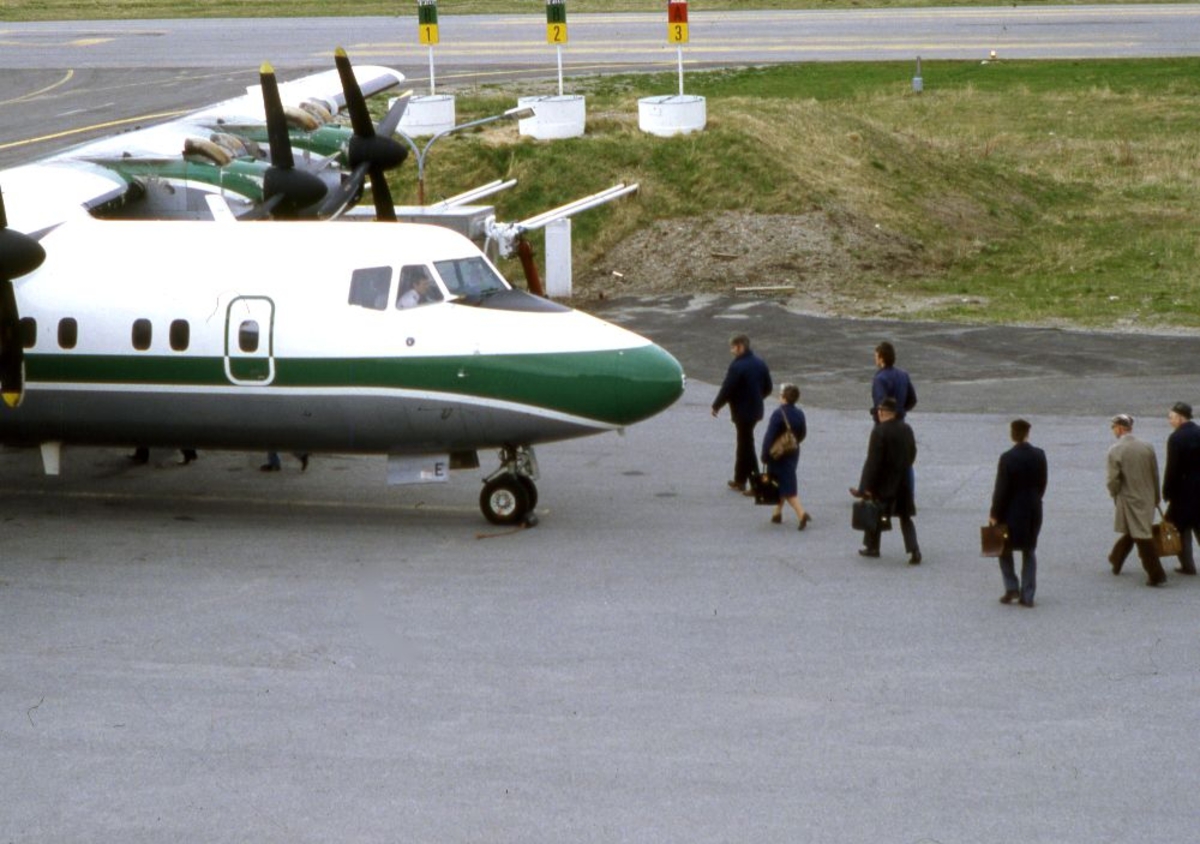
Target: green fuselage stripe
x: 613, y: 387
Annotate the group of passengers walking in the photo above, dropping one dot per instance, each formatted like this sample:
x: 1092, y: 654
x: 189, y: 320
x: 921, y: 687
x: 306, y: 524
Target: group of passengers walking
x: 1022, y: 473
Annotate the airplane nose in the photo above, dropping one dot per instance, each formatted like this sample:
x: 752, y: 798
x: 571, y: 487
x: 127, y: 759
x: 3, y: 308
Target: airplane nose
x: 651, y: 381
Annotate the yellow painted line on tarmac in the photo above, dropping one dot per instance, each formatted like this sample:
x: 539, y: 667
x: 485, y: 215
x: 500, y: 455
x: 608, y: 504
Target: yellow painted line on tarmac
x: 33, y: 94
x: 94, y: 127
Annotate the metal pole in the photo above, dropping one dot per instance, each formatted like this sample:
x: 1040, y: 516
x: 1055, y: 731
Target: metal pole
x: 560, y: 70
x: 432, y: 85
x: 679, y: 48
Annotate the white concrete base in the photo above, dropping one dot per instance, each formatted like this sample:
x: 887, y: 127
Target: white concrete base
x: 427, y: 115
x: 554, y: 117
x: 672, y: 114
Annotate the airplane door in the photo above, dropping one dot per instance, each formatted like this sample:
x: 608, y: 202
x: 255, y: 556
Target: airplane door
x: 249, y: 344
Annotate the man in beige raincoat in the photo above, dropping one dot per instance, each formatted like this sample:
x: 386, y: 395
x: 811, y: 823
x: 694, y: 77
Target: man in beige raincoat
x: 1133, y: 484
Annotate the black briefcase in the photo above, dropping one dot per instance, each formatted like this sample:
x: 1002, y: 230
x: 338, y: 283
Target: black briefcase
x: 869, y: 515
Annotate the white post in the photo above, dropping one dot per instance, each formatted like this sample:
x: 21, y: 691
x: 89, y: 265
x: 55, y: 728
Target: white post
x: 432, y: 86
x: 560, y: 70
x: 558, y: 258
x: 680, y: 60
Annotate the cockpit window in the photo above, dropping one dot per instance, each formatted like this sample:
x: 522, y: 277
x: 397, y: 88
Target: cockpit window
x: 369, y: 287
x: 417, y: 287
x: 470, y: 277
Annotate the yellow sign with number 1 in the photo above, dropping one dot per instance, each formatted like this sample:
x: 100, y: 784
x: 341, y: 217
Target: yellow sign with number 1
x: 427, y: 22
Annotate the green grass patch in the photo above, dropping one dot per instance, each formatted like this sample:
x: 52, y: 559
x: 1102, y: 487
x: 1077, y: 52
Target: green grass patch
x: 1033, y: 192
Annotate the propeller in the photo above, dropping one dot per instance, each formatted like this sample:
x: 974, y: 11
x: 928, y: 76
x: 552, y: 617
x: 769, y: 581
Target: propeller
x: 372, y: 150
x: 19, y: 254
x: 287, y: 192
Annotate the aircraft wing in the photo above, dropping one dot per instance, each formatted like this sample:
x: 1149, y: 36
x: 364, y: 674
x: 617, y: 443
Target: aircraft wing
x: 137, y: 170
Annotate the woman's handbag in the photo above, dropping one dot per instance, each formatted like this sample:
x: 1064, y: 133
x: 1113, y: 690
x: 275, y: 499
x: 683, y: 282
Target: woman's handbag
x: 868, y: 515
x: 992, y: 539
x: 785, y: 444
x: 1167, y: 541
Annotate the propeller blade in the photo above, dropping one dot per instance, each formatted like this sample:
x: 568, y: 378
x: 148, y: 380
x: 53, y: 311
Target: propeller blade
x: 370, y: 151
x: 19, y: 254
x: 277, y: 128
x: 356, y: 104
x: 337, y: 201
x: 387, y: 126
x: 385, y: 209
x: 287, y: 192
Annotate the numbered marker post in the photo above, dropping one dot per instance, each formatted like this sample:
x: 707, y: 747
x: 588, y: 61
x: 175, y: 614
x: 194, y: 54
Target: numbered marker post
x: 677, y: 32
x: 556, y: 32
x: 427, y: 21
x: 677, y: 23
x: 430, y: 114
x: 673, y: 114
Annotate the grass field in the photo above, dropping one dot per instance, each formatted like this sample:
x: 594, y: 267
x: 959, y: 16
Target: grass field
x: 28, y: 10
x: 1028, y: 192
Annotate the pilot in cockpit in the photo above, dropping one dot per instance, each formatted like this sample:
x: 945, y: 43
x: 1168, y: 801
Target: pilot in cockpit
x: 416, y: 287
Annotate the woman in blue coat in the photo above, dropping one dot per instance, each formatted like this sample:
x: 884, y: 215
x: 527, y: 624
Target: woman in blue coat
x: 784, y: 469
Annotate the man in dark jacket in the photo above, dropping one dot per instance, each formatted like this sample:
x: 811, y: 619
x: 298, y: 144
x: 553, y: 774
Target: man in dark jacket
x: 887, y: 477
x: 747, y: 383
x: 1017, y: 503
x: 891, y: 382
x: 1181, y: 481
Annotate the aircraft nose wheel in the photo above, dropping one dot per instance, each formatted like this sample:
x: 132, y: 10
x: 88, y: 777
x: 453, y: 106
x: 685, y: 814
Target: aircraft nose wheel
x: 508, y: 500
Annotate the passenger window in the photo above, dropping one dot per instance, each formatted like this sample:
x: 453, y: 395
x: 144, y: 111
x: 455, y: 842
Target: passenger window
x: 28, y: 332
x: 142, y: 334
x: 248, y: 336
x: 181, y: 334
x: 369, y: 287
x: 417, y: 287
x: 68, y: 333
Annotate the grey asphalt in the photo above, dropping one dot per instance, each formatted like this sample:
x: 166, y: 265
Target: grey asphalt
x: 208, y: 653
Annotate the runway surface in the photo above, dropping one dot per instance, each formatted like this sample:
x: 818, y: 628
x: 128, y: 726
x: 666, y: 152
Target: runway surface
x: 213, y: 653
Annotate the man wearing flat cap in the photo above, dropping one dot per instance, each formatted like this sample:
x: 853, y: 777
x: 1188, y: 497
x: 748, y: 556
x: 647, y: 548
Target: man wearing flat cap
x: 1181, y: 481
x: 1132, y: 480
x: 887, y: 477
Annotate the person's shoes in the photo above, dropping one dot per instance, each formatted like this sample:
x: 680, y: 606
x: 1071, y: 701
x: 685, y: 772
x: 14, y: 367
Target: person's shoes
x: 188, y: 455
x: 867, y: 552
x: 1153, y: 582
x: 748, y: 492
x: 303, y: 462
x: 141, y: 456
x: 1027, y: 604
x: 736, y: 485
x: 856, y: 492
x: 805, y: 519
x: 1182, y: 570
x: 915, y: 559
x: 1116, y: 565
x: 777, y: 519
x: 1010, y: 596
x: 268, y: 467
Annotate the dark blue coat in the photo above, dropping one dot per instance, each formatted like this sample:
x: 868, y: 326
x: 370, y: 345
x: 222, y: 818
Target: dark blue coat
x: 1181, y: 480
x: 892, y: 382
x: 747, y: 383
x: 1017, y: 498
x: 785, y: 469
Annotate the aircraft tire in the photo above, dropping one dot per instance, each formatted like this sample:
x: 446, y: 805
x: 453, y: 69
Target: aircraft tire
x: 504, y: 500
x: 531, y: 491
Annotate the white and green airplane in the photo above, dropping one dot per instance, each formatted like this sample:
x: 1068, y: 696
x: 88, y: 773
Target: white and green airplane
x: 305, y: 336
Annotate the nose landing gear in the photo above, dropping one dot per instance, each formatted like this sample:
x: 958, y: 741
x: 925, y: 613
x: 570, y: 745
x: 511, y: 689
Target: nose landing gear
x: 509, y: 494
